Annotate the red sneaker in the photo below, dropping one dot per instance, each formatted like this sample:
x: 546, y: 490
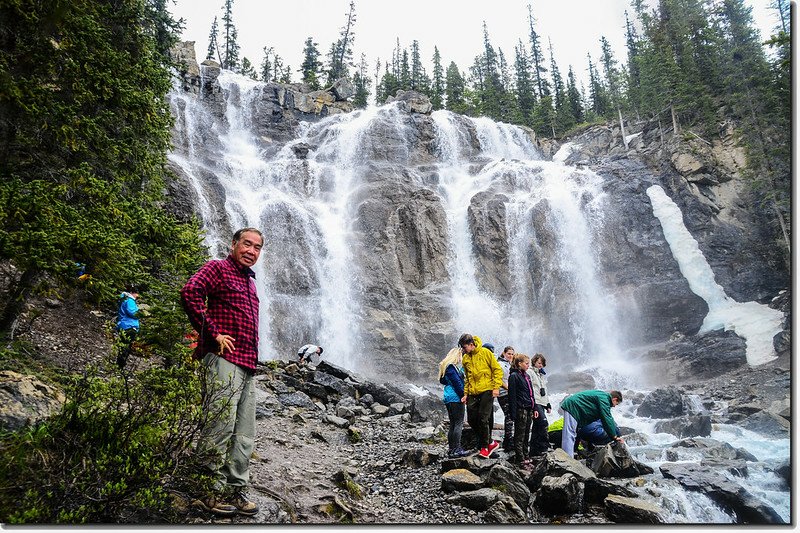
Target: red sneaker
x: 484, y: 452
x: 493, y: 446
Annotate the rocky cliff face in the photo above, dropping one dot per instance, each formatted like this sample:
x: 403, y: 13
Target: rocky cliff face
x: 361, y: 214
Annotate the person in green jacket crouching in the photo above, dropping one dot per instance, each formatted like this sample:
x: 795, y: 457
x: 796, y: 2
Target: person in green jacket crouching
x: 583, y: 408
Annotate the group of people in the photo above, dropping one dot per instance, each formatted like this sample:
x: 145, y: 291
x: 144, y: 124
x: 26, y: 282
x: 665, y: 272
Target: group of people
x: 222, y: 304
x: 473, y: 377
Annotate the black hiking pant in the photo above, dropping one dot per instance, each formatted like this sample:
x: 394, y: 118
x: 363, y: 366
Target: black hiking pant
x: 522, y: 429
x: 479, y: 415
x: 126, y: 338
x: 508, y: 425
x: 539, y: 438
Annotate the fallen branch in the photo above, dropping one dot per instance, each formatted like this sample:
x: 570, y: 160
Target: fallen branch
x: 696, y: 135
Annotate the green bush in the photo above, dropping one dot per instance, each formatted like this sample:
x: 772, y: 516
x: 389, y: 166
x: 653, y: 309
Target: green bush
x: 118, y: 451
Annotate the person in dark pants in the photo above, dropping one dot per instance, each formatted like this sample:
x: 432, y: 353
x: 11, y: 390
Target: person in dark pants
x: 508, y: 425
x: 451, y: 375
x: 483, y: 378
x: 521, y: 406
x: 539, y: 438
x: 127, y: 324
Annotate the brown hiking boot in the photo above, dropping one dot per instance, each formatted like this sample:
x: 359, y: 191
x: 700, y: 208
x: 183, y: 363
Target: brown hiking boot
x: 243, y: 503
x: 215, y: 505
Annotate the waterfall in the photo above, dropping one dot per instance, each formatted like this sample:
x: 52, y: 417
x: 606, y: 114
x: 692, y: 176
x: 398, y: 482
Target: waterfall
x: 756, y: 323
x: 561, y: 297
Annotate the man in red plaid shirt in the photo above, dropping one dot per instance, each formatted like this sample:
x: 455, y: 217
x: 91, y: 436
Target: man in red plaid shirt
x: 222, y: 304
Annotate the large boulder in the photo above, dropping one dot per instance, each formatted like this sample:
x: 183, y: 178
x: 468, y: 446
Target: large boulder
x: 26, y: 400
x: 662, y: 403
x: 624, y: 510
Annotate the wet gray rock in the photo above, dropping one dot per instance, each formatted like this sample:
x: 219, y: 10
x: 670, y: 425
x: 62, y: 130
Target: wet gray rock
x: 508, y: 480
x: 748, y: 508
x: 616, y: 461
x: 296, y: 399
x: 662, y: 403
x: 478, y: 500
x: 632, y: 511
x: 686, y: 426
x: 559, y: 495
x: 505, y: 511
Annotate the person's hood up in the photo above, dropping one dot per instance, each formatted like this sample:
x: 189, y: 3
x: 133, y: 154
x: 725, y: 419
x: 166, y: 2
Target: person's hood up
x: 124, y: 295
x: 478, y: 342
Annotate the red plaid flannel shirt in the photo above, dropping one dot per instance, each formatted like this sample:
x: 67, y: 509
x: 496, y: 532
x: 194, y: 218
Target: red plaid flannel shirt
x: 221, y: 298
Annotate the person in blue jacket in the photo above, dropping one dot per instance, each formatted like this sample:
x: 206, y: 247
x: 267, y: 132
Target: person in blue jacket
x: 451, y: 375
x: 127, y: 324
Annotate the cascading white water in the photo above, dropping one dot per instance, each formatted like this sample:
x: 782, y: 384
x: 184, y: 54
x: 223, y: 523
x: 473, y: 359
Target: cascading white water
x: 754, y: 322
x: 574, y: 200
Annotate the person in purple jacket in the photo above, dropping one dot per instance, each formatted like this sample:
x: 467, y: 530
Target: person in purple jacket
x: 451, y: 375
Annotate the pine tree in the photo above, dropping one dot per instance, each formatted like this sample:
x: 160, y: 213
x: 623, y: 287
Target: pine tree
x: 455, y: 88
x: 489, y: 86
x: 537, y: 58
x: 248, y: 69
x: 544, y: 117
x: 633, y: 82
x: 230, y: 59
x: 417, y: 70
x: 213, y: 45
x: 613, y: 78
x: 266, y: 64
x: 341, y: 53
x: 751, y: 98
x: 361, y: 81
x: 162, y: 27
x: 600, y: 104
x: 405, y: 71
x: 311, y: 65
x: 574, y: 98
x: 437, y: 87
x: 272, y: 68
x: 389, y: 85
x: 524, y: 90
x: 563, y: 118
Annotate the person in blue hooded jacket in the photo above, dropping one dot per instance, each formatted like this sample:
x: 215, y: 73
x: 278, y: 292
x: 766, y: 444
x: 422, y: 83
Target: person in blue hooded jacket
x: 451, y: 375
x: 127, y: 325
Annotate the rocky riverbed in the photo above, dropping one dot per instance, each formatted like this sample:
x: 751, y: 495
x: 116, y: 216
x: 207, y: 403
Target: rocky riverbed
x: 335, y: 448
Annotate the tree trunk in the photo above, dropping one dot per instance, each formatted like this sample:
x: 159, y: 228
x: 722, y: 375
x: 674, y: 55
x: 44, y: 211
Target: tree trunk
x: 622, y: 129
x: 675, y: 125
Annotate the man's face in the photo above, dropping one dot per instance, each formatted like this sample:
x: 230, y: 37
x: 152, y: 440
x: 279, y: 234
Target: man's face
x: 469, y: 347
x: 614, y: 402
x: 246, y: 250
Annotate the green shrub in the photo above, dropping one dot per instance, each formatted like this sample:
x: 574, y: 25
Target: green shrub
x: 116, y: 453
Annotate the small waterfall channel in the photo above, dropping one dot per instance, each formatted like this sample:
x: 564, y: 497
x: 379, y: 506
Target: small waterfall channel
x: 553, y: 300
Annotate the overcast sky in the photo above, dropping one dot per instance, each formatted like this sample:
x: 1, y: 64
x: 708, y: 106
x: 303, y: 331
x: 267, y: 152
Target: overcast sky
x: 454, y: 27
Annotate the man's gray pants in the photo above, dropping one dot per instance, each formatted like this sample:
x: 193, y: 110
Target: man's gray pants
x: 231, y: 427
